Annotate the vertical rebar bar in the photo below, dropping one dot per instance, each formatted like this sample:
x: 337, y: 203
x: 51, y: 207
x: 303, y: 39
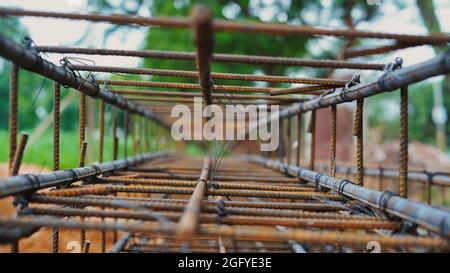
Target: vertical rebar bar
x: 13, y: 112
x: 202, y: 28
x: 333, y: 141
x: 56, y: 135
x: 358, y: 132
x: 82, y: 132
x: 403, y: 154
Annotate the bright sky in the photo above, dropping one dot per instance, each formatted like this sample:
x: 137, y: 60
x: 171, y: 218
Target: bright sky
x: 66, y: 32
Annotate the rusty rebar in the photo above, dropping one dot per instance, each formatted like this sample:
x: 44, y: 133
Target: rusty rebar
x: 214, y: 75
x: 358, y: 132
x: 403, y: 152
x: 189, y: 86
x: 189, y: 221
x: 13, y: 112
x: 231, y: 26
x: 194, y: 95
x: 56, y: 141
x: 216, y: 57
x: 229, y: 219
x: 305, y: 89
x: 257, y: 233
x: 333, y: 121
x: 18, y: 154
x: 201, y: 24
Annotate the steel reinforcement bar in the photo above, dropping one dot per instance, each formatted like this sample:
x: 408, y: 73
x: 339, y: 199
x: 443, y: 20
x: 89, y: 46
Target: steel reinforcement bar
x: 214, y: 75
x: 437, y: 220
x: 216, y: 57
x: 30, y: 60
x: 229, y: 26
x: 16, y: 185
x: 15, y: 226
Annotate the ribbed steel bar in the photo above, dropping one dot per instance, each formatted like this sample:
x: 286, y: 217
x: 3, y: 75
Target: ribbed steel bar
x: 27, y: 183
x: 194, y: 95
x: 231, y: 26
x: 155, y: 203
x: 214, y: 75
x: 216, y: 57
x: 18, y: 155
x: 231, y: 178
x: 231, y: 101
x: 56, y: 141
x: 201, y: 25
x: 228, y: 220
x: 432, y: 218
x: 241, y: 233
x: 30, y: 60
x: 189, y: 183
x: 106, y: 189
x: 403, y: 151
x: 13, y: 113
x: 308, y: 89
x: 208, y: 207
x: 190, y: 86
x: 190, y: 219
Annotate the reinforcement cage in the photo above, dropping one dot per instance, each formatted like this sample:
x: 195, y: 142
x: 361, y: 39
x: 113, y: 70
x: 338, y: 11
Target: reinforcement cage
x: 168, y: 202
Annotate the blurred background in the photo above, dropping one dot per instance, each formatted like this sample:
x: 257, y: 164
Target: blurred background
x: 429, y: 101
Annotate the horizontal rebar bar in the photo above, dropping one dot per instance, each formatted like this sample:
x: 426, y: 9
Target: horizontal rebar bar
x: 106, y: 189
x: 228, y: 220
x: 214, y: 75
x: 230, y: 26
x: 214, y: 95
x: 189, y: 183
x: 191, y: 86
x: 208, y: 207
x: 240, y: 233
x: 310, y: 206
x: 216, y: 57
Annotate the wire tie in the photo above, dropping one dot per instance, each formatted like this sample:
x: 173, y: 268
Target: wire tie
x: 383, y: 200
